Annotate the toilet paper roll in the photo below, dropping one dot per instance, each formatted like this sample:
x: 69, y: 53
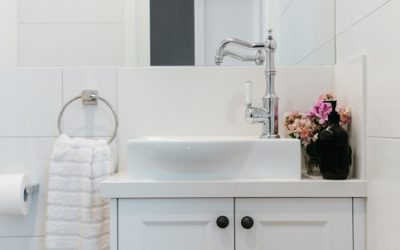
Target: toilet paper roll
x: 14, y: 199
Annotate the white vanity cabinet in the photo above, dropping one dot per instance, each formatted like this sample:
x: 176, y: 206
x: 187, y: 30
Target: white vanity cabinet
x: 294, y: 224
x: 254, y: 224
x: 175, y: 224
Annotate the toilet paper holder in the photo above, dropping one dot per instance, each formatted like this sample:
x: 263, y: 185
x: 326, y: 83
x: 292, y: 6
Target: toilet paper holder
x: 30, y: 190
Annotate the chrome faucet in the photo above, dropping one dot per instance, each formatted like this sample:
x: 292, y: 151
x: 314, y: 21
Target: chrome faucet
x: 268, y: 114
x: 222, y: 52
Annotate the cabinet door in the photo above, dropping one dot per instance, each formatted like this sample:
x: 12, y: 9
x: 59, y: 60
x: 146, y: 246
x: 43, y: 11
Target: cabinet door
x: 174, y: 224
x: 294, y: 224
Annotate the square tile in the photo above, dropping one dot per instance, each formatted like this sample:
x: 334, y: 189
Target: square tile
x: 75, y: 44
x: 383, y: 160
x: 22, y: 243
x: 30, y: 101
x: 70, y: 11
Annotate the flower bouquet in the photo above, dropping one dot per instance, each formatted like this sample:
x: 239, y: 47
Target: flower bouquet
x: 307, y: 126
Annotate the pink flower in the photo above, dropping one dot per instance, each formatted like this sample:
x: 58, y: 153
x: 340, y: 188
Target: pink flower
x: 307, y: 126
x: 345, y: 115
x: 327, y: 97
x: 321, y: 110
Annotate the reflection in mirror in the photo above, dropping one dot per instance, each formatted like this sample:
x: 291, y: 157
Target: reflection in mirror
x: 186, y: 32
x: 172, y: 32
x: 160, y: 32
x: 305, y: 31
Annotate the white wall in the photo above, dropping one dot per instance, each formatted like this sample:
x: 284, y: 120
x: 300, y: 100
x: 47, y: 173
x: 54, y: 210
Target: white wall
x: 70, y: 32
x: 150, y: 101
x: 304, y: 30
x: 370, y: 27
x: 30, y: 101
x: 8, y: 33
x: 61, y: 32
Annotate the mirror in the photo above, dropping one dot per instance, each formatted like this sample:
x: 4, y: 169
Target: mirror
x: 304, y: 30
x: 160, y: 32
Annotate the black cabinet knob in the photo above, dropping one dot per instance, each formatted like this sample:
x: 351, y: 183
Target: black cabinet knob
x: 247, y: 222
x: 222, y: 222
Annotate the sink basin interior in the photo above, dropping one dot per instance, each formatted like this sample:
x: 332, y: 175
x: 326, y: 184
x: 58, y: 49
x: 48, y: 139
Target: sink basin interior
x: 213, y: 158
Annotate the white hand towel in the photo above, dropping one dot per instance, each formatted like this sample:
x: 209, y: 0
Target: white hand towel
x: 77, y: 217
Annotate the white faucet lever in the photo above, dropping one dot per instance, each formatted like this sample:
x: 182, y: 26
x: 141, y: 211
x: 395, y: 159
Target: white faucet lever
x: 248, y: 90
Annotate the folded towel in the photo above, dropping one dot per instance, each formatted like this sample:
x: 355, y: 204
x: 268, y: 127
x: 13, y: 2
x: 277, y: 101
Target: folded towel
x: 77, y: 217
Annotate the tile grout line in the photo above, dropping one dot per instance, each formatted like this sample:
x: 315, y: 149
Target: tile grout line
x: 60, y: 23
x: 18, y: 35
x: 62, y: 100
x: 284, y: 11
x: 17, y: 237
x: 363, y: 18
x: 335, y: 29
x: 49, y: 136
x: 27, y: 136
x: 384, y: 137
x: 117, y: 72
x: 315, y: 50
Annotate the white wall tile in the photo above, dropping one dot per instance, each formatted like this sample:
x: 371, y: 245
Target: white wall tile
x: 367, y: 27
x: 30, y: 156
x: 348, y: 12
x: 93, y: 44
x: 8, y: 33
x: 350, y: 88
x: 383, y: 206
x: 380, y: 44
x: 70, y: 11
x: 30, y: 101
x: 22, y: 243
x: 321, y: 56
x: 283, y: 6
x: 277, y: 9
x: 206, y: 100
x: 82, y: 120
x: 304, y: 27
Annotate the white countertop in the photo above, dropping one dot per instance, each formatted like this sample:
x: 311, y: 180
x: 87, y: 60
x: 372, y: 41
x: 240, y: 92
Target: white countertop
x: 121, y: 186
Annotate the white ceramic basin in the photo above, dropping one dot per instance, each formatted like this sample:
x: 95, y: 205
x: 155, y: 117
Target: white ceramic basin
x: 213, y: 158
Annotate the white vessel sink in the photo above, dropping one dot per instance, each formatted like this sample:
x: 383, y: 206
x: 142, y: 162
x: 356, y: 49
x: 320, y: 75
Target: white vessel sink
x: 213, y: 158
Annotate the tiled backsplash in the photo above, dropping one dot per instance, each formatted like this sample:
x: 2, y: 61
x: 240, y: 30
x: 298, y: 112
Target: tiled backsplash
x: 30, y: 99
x: 150, y: 101
x: 206, y: 101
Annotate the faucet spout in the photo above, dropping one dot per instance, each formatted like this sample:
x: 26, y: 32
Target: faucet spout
x: 258, y: 58
x: 222, y: 51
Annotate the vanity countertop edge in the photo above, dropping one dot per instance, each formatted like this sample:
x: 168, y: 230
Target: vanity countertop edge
x: 122, y: 186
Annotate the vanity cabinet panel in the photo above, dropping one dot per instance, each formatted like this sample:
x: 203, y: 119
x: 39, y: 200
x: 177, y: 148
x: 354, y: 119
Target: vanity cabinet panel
x: 175, y: 224
x: 294, y: 223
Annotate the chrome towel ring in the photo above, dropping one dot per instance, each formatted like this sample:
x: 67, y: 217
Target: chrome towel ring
x: 89, y: 97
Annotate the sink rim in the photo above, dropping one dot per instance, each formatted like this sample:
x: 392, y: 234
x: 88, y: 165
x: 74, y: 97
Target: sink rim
x: 203, y: 139
x: 212, y: 158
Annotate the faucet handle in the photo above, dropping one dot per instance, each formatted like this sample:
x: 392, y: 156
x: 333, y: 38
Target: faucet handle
x: 248, y: 90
